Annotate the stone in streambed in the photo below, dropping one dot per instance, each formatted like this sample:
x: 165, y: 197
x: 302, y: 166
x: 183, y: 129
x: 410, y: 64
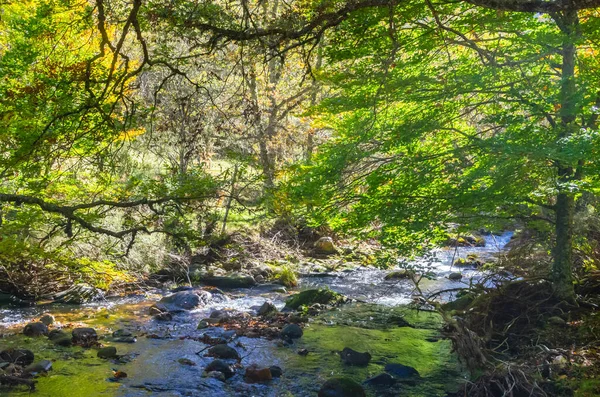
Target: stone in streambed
x: 107, y: 352
x: 42, y: 366
x: 384, y: 380
x: 84, y: 336
x: 266, y: 309
x: 352, y: 357
x: 224, y: 351
x: 341, y: 387
x: 186, y: 300
x: 163, y: 317
x: 276, y: 371
x: 309, y: 297
x: 233, y: 281
x: 35, y: 329
x: 47, y: 319
x: 60, y: 338
x: 220, y: 366
x: 399, y: 275
x: 292, y: 331
x: 401, y: 371
x: 22, y: 357
x: 455, y: 276
x: 255, y: 374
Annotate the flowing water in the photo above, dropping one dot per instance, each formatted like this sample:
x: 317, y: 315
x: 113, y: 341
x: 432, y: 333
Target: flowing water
x: 153, y: 364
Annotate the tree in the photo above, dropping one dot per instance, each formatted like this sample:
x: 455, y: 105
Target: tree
x: 460, y: 113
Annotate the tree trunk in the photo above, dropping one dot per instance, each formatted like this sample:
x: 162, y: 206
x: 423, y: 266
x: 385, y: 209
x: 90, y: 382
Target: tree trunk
x: 565, y: 202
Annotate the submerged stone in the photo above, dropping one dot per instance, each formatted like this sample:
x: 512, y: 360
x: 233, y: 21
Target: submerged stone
x: 399, y: 275
x: 341, y: 387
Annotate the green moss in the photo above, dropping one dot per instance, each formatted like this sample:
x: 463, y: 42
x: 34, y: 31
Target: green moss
x: 311, y: 296
x: 408, y: 346
x: 287, y: 277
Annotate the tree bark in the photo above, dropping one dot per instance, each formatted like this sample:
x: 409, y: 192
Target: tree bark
x: 565, y: 202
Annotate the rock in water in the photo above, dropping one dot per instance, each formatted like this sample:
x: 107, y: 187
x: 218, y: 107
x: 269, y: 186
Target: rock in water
x: 35, y: 329
x: 233, y: 281
x: 381, y: 380
x: 42, y: 366
x: 60, y: 338
x: 256, y: 374
x: 401, y: 371
x: 292, y: 331
x: 185, y: 300
x: 325, y: 246
x: 163, y: 317
x: 276, y: 371
x: 85, y: 337
x: 456, y: 276
x: 352, y: 357
x: 309, y: 297
x: 399, y: 275
x: 107, y: 352
x: 266, y: 309
x: 22, y: 357
x: 220, y: 366
x: 341, y: 387
x: 47, y: 319
x: 224, y: 351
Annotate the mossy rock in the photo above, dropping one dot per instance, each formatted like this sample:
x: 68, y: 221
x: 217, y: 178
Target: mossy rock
x: 341, y: 387
x: 309, y: 297
x: 460, y: 303
x: 233, y: 281
x: 399, y: 275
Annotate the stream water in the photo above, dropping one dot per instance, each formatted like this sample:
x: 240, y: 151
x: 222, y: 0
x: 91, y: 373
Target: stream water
x: 154, y: 365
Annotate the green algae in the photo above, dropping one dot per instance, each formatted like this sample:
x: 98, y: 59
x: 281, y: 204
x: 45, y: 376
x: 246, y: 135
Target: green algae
x: 419, y: 348
x: 75, y: 371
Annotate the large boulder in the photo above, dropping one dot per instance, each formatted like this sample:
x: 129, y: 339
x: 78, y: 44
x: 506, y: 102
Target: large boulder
x: 341, y: 387
x: 35, y: 329
x: 22, y: 357
x: 309, y: 297
x: 325, y: 246
x: 352, y: 357
x: 185, y: 300
x: 232, y: 281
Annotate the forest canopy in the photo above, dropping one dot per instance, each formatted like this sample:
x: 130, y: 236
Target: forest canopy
x: 158, y: 120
